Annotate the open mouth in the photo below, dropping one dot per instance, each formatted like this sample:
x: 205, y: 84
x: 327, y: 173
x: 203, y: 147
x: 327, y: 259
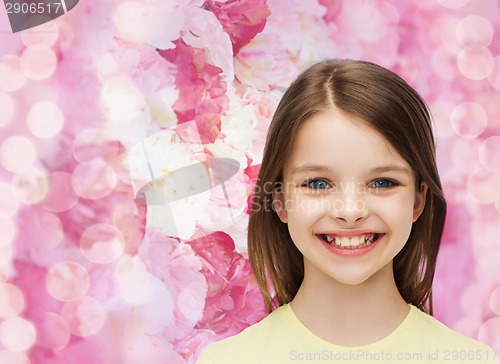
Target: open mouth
x: 350, y: 242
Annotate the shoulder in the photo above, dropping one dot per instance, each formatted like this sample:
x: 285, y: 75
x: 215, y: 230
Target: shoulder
x: 249, y: 343
x: 433, y: 328
x: 449, y: 344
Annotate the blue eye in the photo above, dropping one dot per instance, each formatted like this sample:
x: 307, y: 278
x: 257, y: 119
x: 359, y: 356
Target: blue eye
x: 317, y: 184
x: 382, y: 183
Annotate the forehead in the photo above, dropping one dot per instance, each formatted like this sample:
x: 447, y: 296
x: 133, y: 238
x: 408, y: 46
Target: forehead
x: 339, y: 141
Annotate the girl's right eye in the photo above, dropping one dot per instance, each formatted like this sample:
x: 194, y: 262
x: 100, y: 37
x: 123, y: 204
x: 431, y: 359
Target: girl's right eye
x: 317, y: 184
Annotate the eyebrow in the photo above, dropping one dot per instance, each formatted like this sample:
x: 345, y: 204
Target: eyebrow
x: 391, y: 168
x: 318, y: 168
x: 310, y: 168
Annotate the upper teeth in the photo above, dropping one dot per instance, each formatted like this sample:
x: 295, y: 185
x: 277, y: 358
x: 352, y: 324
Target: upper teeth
x: 350, y: 241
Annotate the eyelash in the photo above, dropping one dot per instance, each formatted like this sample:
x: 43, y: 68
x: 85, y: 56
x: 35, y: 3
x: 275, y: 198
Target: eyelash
x: 391, y: 182
x: 308, y: 182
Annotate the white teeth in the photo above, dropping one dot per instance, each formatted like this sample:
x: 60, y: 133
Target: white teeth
x: 353, y: 241
x: 344, y: 241
x: 356, y: 240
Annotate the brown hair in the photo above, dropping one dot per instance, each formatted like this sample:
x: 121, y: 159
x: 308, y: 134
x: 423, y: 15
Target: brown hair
x: 385, y: 101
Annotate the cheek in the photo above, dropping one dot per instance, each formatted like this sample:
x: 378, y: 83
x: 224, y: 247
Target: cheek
x: 304, y: 208
x: 398, y: 214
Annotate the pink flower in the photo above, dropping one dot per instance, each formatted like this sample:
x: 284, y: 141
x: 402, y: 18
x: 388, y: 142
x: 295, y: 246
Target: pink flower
x: 175, y: 264
x: 203, y: 30
x: 332, y: 9
x: 144, y: 65
x: 202, y: 93
x: 252, y: 173
x: 356, y: 26
x: 191, y: 346
x: 264, y: 64
x: 265, y: 104
x: 294, y: 37
x: 233, y: 299
x: 242, y: 20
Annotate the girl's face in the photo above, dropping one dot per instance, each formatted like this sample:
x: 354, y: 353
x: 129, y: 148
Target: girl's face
x: 348, y: 197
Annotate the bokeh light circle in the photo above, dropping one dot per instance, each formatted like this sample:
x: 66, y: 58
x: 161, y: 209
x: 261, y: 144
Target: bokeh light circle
x: 67, y: 281
x: 11, y: 300
x: 494, y: 76
x: 38, y: 62
x: 489, y: 153
x: 495, y: 301
x: 94, y: 179
x: 17, y: 153
x: 17, y: 334
x: 7, y: 231
x: 85, y: 316
x: 94, y: 142
x: 30, y: 185
x: 475, y: 62
x: 60, y: 196
x: 138, y: 22
x: 11, y: 77
x: 474, y: 30
x: 126, y: 217
x: 469, y: 119
x: 453, y: 4
x: 45, y: 120
x: 52, y: 229
x: 482, y: 186
x: 102, y: 243
x: 123, y: 100
x: 9, y: 203
x: 7, y: 107
x: 11, y: 357
x: 53, y: 332
x: 489, y: 332
x: 44, y: 34
x: 5, y: 259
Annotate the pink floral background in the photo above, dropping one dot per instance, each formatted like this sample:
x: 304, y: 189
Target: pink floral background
x: 115, y: 94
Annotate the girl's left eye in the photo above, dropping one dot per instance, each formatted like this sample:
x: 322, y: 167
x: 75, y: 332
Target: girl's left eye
x: 382, y: 183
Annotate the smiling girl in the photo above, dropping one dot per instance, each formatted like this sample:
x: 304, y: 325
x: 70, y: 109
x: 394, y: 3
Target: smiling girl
x: 344, y: 245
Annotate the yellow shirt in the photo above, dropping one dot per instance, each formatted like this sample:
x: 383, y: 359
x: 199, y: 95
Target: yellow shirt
x: 282, y: 338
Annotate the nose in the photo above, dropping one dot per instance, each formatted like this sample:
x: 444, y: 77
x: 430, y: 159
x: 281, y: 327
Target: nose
x: 349, y: 206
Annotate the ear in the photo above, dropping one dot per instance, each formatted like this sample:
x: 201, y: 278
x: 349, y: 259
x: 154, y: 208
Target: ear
x: 419, y: 205
x: 279, y: 206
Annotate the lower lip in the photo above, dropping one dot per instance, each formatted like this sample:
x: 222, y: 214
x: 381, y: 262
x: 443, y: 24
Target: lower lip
x: 351, y: 252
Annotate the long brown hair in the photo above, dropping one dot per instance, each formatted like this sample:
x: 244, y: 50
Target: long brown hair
x: 384, y: 101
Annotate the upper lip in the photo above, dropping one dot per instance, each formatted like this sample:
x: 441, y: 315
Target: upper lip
x: 349, y: 233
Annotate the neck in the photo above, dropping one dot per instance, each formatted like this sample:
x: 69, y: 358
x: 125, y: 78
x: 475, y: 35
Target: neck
x: 350, y: 315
